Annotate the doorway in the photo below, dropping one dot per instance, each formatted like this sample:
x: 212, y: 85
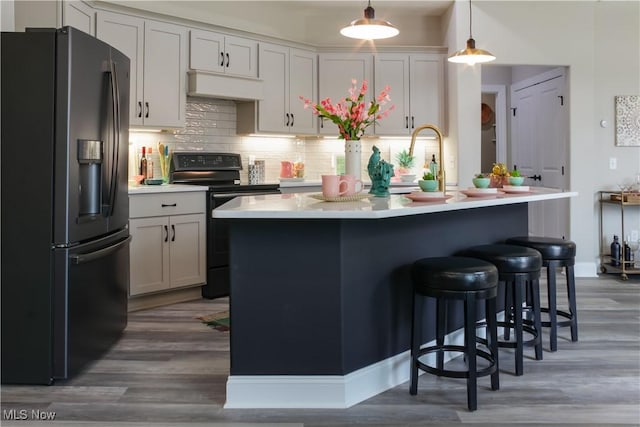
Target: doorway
x: 537, y: 118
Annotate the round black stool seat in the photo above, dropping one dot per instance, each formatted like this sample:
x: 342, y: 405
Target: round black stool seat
x: 453, y: 274
x: 456, y: 278
x: 556, y: 253
x: 550, y: 248
x: 508, y: 258
x: 519, y: 269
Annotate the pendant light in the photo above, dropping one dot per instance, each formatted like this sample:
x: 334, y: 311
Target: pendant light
x: 470, y: 55
x: 369, y: 28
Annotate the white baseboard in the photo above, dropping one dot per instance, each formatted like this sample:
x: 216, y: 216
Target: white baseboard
x: 586, y: 269
x: 324, y: 391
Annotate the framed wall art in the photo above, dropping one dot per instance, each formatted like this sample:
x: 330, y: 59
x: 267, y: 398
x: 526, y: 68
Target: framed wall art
x: 628, y: 121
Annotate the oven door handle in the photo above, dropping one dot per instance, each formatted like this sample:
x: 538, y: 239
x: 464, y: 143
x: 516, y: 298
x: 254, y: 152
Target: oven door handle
x: 230, y: 195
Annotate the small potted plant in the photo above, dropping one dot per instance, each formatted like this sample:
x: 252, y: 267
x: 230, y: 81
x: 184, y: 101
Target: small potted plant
x: 405, y: 163
x: 515, y: 178
x: 428, y: 182
x: 499, y: 175
x: 481, y: 181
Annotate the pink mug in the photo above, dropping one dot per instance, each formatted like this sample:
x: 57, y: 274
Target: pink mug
x: 333, y: 186
x: 354, y: 185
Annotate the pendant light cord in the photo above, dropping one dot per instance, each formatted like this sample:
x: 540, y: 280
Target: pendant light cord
x: 470, y: 36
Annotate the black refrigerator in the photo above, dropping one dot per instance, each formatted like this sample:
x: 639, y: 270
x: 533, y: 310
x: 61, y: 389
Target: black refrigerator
x: 64, y: 213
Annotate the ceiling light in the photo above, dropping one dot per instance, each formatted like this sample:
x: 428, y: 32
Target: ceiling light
x: 369, y: 28
x: 470, y: 55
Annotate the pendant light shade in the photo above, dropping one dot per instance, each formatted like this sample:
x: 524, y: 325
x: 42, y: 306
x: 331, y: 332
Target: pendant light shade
x: 369, y: 28
x: 470, y: 55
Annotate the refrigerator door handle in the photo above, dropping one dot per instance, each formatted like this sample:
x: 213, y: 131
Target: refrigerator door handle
x: 115, y: 108
x: 92, y: 256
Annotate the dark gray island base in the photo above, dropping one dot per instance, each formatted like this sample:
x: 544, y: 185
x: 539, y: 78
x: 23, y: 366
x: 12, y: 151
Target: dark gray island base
x: 321, y: 308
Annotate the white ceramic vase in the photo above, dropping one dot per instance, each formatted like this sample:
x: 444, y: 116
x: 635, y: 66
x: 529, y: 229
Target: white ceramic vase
x: 353, y: 157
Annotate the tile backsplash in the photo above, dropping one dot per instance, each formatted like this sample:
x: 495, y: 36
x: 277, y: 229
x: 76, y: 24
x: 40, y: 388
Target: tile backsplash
x: 211, y: 126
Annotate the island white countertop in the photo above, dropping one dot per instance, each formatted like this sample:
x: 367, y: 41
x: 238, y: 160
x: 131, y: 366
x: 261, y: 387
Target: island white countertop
x: 303, y: 206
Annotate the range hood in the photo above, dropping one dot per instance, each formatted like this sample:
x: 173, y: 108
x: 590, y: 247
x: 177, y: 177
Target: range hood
x: 215, y: 85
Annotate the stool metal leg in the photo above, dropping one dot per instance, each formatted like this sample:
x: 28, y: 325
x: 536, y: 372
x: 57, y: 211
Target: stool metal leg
x: 416, y: 337
x: 470, y: 344
x: 534, y: 287
x: 441, y: 327
x: 517, y: 314
x: 571, y: 295
x: 492, y: 339
x: 551, y: 298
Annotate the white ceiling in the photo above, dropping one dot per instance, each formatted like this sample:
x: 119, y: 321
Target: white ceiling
x: 308, y: 21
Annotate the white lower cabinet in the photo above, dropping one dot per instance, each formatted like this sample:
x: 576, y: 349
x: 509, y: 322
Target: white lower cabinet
x: 168, y: 246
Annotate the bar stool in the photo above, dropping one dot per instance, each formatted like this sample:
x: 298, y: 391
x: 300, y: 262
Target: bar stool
x: 519, y: 268
x: 456, y: 278
x: 556, y: 253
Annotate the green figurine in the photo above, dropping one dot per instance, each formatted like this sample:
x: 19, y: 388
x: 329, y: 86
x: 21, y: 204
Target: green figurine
x: 380, y: 173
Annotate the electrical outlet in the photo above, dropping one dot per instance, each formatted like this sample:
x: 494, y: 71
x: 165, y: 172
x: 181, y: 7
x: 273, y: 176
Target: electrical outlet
x: 613, y: 163
x: 634, y: 235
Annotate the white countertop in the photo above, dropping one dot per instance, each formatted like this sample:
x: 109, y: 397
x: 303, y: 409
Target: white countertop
x: 302, y: 206
x: 165, y: 188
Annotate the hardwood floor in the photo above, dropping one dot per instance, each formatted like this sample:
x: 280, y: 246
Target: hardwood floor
x: 170, y: 370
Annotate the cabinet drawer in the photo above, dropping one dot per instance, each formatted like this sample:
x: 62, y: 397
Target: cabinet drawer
x: 157, y: 204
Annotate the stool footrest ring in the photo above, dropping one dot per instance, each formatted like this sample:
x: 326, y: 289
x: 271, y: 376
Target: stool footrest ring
x: 456, y: 374
x: 566, y: 315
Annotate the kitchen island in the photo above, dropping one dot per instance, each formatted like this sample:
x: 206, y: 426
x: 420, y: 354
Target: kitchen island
x: 321, y: 295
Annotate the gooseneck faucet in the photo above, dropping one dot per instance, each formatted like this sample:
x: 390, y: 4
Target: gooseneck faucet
x: 441, y: 182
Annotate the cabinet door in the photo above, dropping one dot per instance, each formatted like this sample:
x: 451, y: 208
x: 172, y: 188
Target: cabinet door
x: 165, y: 93
x: 79, y: 15
x: 206, y: 51
x: 149, y: 255
x: 241, y: 56
x: 335, y: 74
x: 126, y: 34
x: 393, y: 70
x: 303, y: 81
x: 188, y: 249
x: 427, y: 90
x: 273, y: 109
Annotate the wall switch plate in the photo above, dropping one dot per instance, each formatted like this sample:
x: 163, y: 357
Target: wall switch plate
x: 613, y: 163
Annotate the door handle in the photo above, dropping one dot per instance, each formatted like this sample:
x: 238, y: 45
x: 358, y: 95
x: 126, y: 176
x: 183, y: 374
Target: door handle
x: 222, y: 59
x: 227, y: 60
x: 146, y: 114
x: 406, y: 122
x: 537, y: 177
x: 100, y: 253
x: 413, y: 124
x: 140, y: 109
x: 292, y: 119
x: 287, y: 124
x: 173, y: 233
x: 173, y: 205
x: 166, y: 233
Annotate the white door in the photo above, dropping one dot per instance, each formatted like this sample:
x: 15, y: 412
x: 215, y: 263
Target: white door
x: 149, y: 255
x: 273, y: 109
x: 393, y: 70
x: 539, y: 146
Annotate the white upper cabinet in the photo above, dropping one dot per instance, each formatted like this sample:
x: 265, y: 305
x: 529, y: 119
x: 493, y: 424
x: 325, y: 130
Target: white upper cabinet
x: 220, y: 53
x: 287, y: 74
x: 79, y: 15
x: 417, y: 91
x: 157, y: 51
x: 336, y: 70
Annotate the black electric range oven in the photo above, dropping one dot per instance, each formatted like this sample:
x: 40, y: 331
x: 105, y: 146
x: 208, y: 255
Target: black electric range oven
x: 221, y: 173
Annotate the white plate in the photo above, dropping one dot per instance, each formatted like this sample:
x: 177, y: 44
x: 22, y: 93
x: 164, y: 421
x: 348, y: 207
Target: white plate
x: 427, y: 196
x: 516, y: 188
x: 291, y: 179
x: 353, y: 198
x: 474, y: 193
x: 482, y: 190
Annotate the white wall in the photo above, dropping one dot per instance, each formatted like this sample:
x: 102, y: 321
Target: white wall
x: 7, y: 15
x: 589, y: 38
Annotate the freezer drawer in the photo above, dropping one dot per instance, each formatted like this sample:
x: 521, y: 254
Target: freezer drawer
x: 91, y: 305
